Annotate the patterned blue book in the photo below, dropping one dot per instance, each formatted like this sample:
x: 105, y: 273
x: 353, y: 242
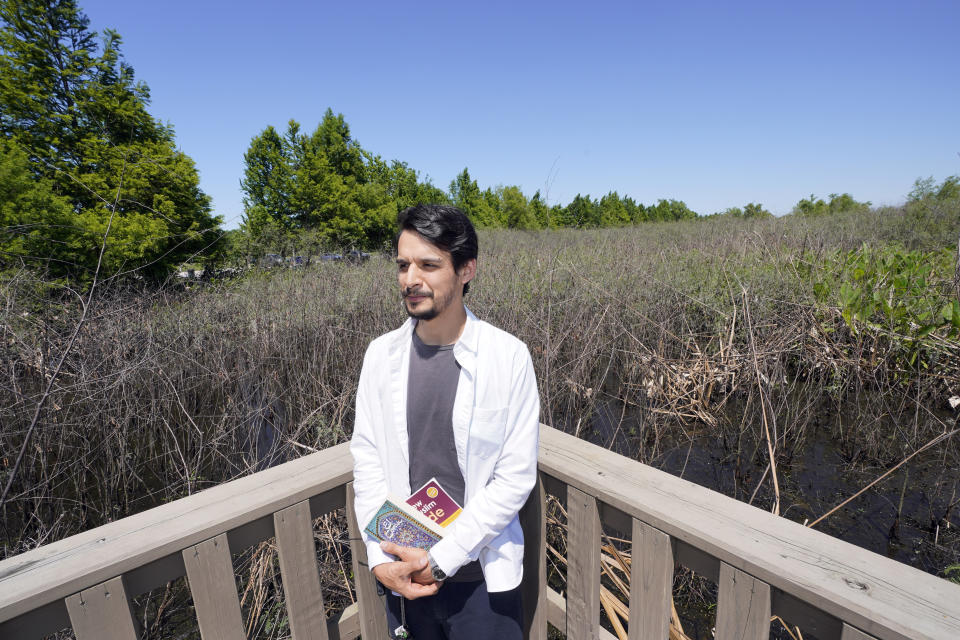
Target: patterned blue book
x: 402, y: 526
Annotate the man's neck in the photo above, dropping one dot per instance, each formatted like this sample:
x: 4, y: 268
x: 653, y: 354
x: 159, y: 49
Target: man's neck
x: 444, y: 329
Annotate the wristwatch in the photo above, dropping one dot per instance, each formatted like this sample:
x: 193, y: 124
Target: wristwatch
x: 435, y: 571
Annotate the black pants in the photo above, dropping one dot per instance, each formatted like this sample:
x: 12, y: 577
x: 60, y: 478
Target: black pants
x: 460, y: 611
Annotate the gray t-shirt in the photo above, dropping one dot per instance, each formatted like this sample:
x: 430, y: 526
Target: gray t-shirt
x: 431, y: 389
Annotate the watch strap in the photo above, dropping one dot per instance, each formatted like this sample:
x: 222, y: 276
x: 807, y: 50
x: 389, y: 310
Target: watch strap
x: 435, y: 570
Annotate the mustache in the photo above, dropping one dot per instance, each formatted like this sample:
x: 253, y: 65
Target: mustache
x: 408, y: 291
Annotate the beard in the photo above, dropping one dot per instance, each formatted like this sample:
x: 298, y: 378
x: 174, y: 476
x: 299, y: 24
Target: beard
x: 439, y: 304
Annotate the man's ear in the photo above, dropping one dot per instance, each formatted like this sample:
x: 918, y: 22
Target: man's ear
x: 468, y: 270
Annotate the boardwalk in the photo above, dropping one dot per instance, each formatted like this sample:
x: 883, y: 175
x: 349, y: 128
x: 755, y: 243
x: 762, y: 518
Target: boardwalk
x: 764, y: 565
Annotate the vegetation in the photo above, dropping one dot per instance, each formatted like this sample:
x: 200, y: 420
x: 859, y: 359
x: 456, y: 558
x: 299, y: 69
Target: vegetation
x: 84, y: 166
x: 814, y: 206
x: 324, y: 191
x: 81, y: 160
x: 644, y: 339
x: 651, y: 327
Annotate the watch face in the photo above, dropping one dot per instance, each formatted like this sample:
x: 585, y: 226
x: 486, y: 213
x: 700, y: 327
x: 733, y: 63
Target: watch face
x: 436, y: 571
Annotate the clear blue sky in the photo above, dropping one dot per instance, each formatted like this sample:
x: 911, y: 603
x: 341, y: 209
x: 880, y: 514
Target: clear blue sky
x: 717, y: 104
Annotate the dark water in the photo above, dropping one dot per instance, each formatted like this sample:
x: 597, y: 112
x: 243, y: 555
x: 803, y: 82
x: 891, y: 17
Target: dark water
x: 898, y: 517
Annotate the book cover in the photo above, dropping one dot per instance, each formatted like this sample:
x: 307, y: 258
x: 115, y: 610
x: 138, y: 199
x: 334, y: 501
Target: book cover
x: 434, y: 503
x: 398, y: 523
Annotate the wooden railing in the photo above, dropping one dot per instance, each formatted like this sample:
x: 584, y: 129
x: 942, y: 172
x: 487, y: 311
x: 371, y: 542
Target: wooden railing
x: 763, y: 565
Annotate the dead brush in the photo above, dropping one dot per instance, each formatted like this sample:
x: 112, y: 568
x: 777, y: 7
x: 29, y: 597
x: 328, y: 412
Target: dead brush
x: 163, y: 393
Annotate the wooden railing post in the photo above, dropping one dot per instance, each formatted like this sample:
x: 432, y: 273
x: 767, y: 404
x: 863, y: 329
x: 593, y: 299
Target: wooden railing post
x: 534, y: 587
x: 298, y: 567
x: 651, y: 583
x: 743, y: 606
x: 214, y: 589
x: 583, y: 566
x: 102, y: 612
x: 373, y: 617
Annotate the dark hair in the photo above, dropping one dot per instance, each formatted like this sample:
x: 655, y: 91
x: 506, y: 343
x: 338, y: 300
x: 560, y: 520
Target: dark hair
x: 446, y: 227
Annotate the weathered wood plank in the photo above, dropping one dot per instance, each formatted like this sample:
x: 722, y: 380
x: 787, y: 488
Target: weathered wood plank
x: 346, y: 626
x: 880, y: 596
x: 52, y: 572
x: 214, y: 589
x: 651, y: 583
x: 373, y: 617
x: 534, y: 523
x: 298, y: 567
x: 743, y: 606
x: 850, y: 633
x: 102, y: 612
x: 583, y: 565
x: 557, y: 615
x: 554, y: 487
x: 811, y: 620
x: 695, y: 559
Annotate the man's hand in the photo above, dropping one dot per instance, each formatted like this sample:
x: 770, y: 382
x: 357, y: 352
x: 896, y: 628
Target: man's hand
x: 414, y: 556
x: 410, y: 576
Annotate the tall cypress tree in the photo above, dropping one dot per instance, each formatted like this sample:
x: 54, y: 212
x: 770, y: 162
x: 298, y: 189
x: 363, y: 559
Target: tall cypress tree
x: 75, y: 109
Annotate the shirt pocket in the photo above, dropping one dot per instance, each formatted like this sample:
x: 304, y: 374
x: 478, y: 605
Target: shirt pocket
x: 486, y: 431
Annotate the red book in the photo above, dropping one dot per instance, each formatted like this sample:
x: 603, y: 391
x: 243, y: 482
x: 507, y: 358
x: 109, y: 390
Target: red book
x: 434, y: 503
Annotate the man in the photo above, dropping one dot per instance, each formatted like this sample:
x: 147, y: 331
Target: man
x: 448, y: 396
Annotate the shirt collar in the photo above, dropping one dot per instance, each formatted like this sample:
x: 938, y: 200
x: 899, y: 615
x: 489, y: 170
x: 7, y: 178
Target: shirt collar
x: 464, y: 350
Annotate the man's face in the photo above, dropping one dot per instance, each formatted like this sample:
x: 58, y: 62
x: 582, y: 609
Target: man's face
x: 428, y: 282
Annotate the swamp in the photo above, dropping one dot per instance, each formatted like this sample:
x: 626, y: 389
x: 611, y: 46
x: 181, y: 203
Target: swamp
x: 809, y: 365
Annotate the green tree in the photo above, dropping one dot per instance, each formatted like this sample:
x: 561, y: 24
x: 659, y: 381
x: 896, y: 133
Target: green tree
x: 541, y: 212
x: 666, y: 210
x: 31, y: 215
x: 927, y: 188
x: 402, y: 184
x: 838, y: 203
x: 325, y: 189
x: 613, y: 210
x: 332, y: 193
x: 81, y: 119
x: 750, y: 210
x: 267, y: 183
x: 755, y: 210
x: 344, y: 154
x: 466, y: 195
x: 949, y: 189
x: 635, y: 211
x: 517, y: 210
x: 731, y: 212
x: 582, y: 212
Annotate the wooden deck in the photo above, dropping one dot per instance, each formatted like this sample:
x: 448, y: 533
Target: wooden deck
x: 763, y: 565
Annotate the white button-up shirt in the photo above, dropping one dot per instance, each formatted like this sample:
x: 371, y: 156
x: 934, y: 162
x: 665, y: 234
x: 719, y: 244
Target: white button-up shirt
x: 496, y: 417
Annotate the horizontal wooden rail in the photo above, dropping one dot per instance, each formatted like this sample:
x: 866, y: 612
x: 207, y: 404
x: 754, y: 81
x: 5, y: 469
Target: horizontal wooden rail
x: 146, y: 548
x: 762, y: 563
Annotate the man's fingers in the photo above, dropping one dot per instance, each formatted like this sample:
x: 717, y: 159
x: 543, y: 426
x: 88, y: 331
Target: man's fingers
x: 416, y: 590
x: 410, y: 567
x: 391, y: 548
x: 405, y: 553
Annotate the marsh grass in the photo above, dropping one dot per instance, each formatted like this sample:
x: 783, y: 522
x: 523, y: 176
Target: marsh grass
x: 725, y: 327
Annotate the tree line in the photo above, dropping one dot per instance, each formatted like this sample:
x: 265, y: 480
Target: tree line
x: 306, y: 191
x: 91, y: 182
